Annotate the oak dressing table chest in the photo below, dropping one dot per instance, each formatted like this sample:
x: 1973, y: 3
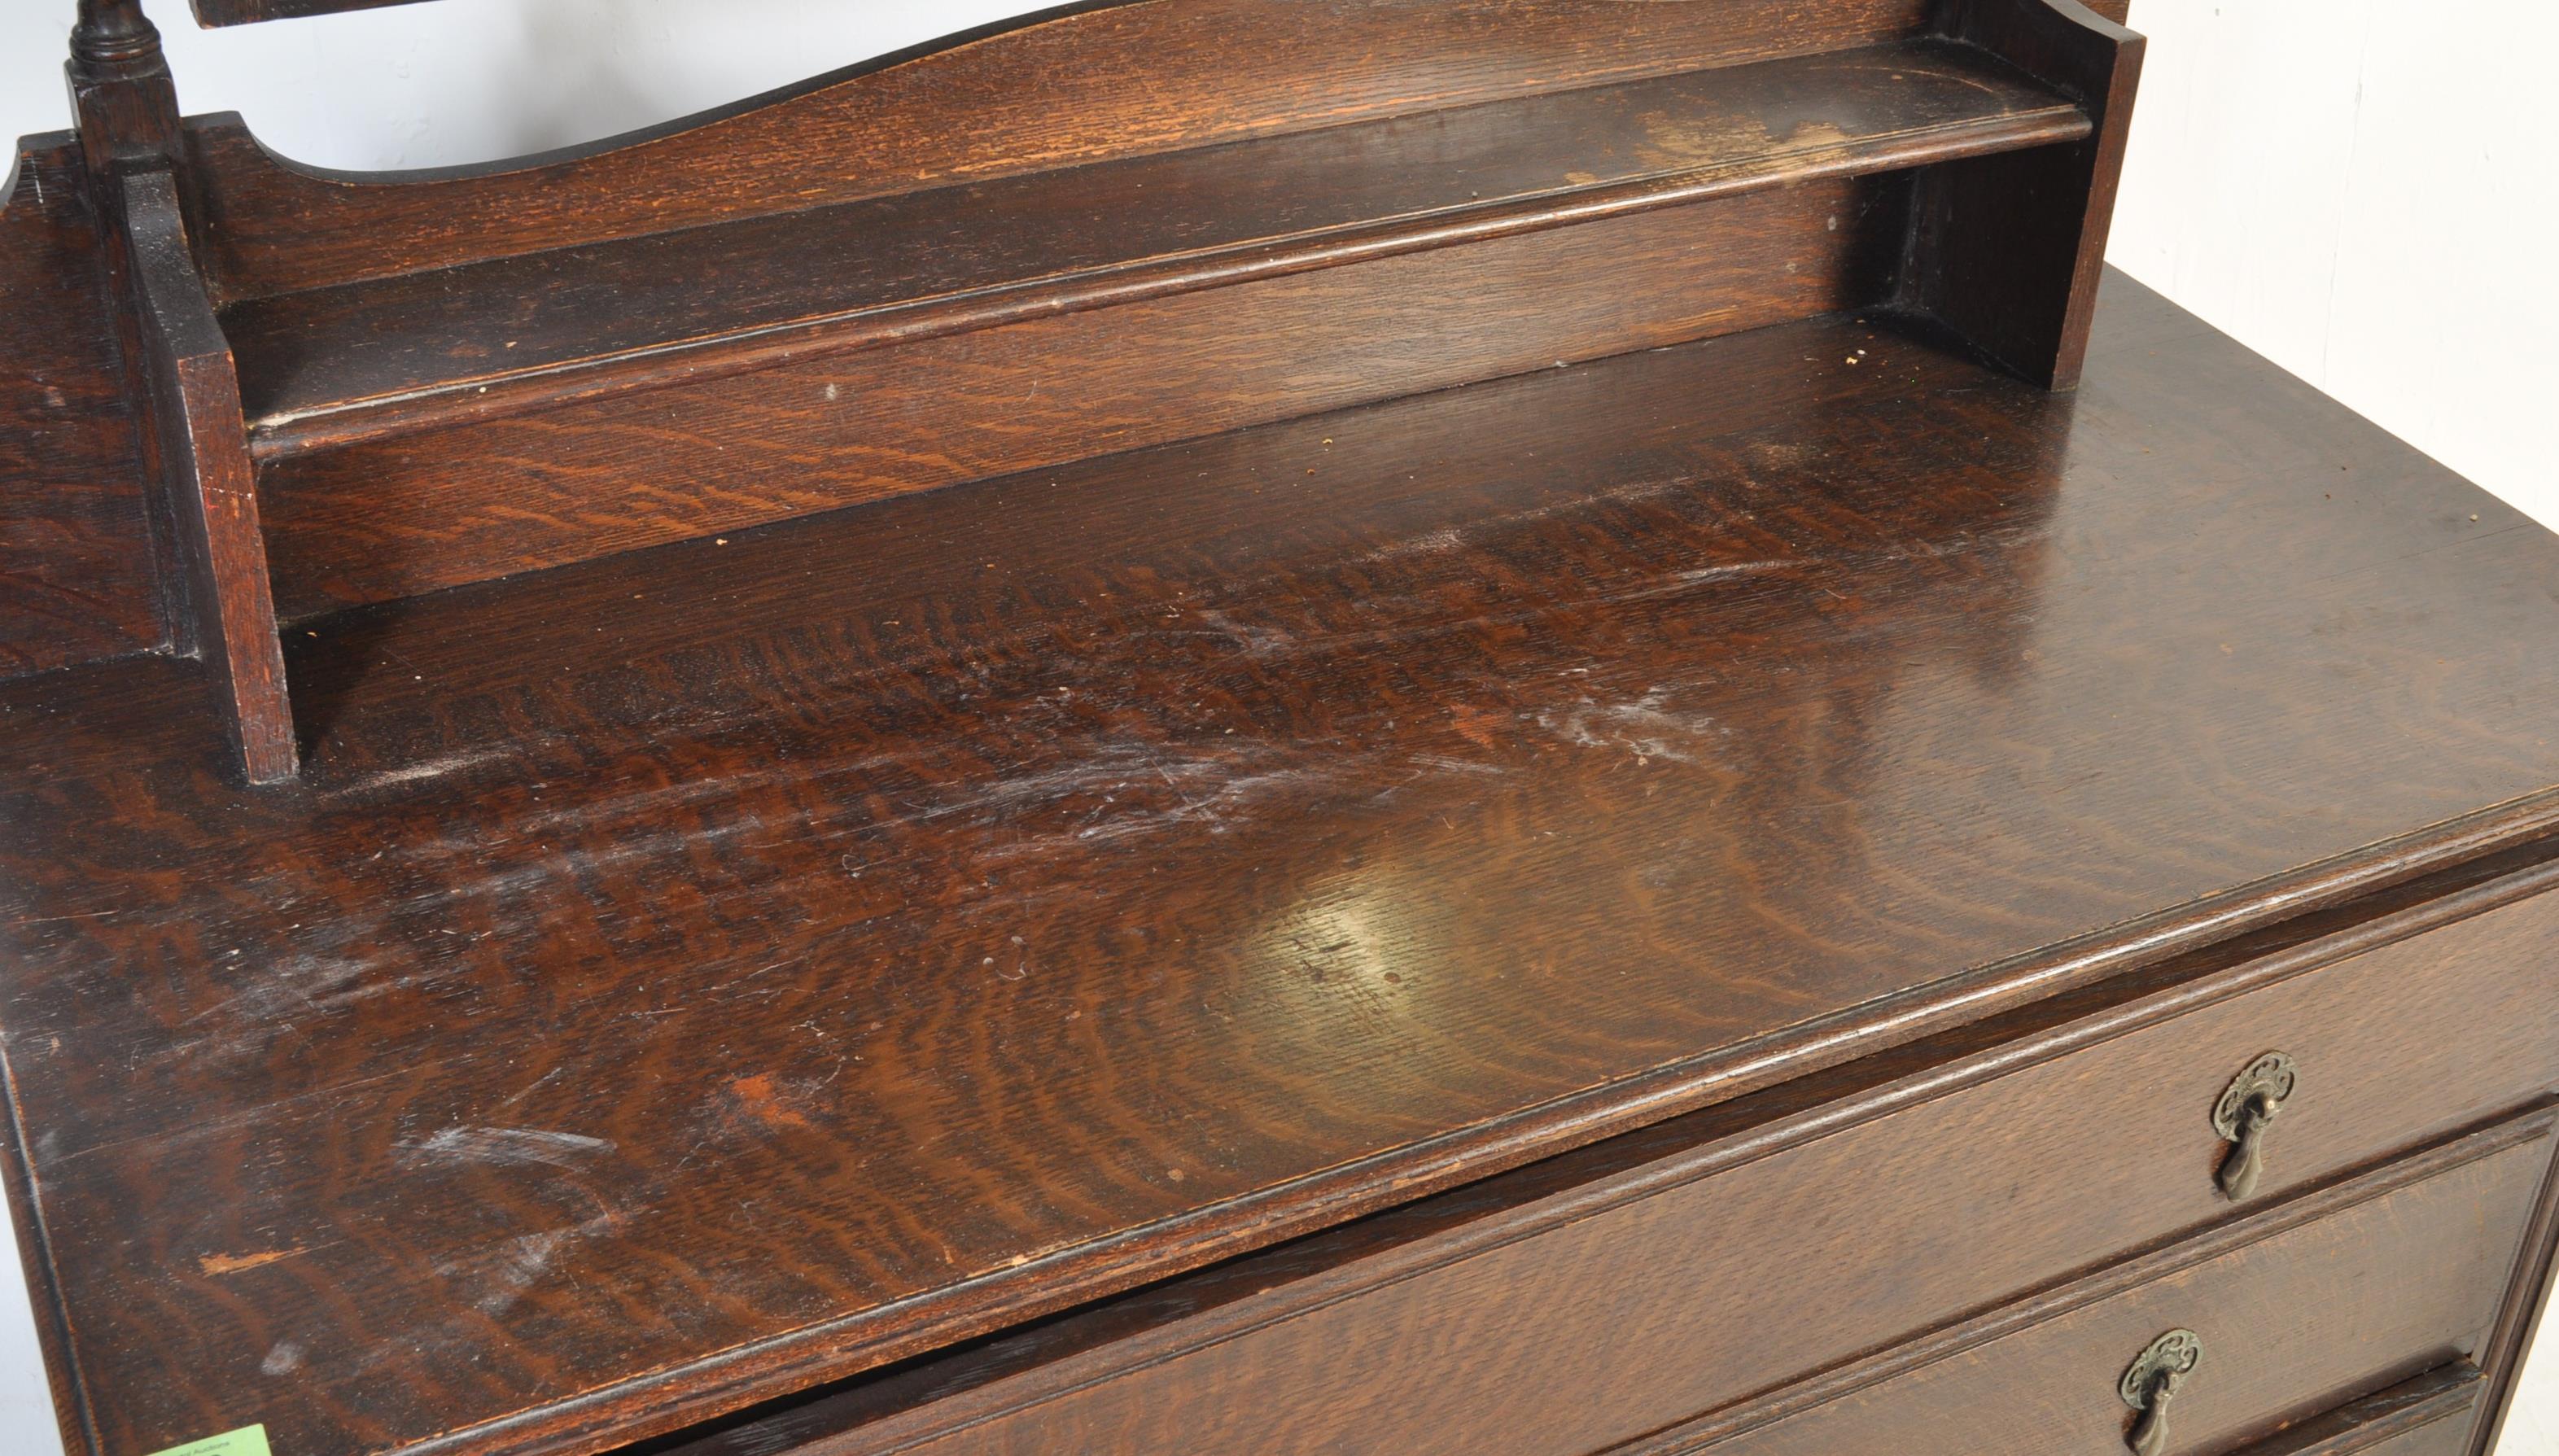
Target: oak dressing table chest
x: 1524, y: 726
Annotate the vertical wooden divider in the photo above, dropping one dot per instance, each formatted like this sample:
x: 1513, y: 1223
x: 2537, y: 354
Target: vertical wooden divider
x: 211, y: 488
x: 219, y: 601
x: 2006, y: 250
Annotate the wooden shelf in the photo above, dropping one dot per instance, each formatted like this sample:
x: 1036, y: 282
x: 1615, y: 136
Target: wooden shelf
x: 906, y: 276
x: 340, y: 364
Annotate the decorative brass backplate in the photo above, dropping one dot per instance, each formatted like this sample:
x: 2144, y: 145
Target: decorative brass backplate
x: 2271, y: 1076
x: 2151, y: 1381
x: 2160, y: 1368
x: 2244, y: 1115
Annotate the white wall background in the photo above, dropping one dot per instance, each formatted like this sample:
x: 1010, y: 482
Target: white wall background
x: 2365, y: 191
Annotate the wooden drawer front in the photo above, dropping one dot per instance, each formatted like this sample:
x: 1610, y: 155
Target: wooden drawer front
x: 2292, y: 1324
x: 2430, y: 1415
x: 2442, y: 1438
x: 1738, y: 1266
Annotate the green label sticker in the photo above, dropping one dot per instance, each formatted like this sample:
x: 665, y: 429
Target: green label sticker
x: 248, y: 1440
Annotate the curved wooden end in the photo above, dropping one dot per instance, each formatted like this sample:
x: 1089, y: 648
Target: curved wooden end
x: 216, y: 13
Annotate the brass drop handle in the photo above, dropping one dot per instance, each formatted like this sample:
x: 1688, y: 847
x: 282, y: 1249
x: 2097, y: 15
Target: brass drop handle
x: 2244, y: 1115
x: 2151, y: 1381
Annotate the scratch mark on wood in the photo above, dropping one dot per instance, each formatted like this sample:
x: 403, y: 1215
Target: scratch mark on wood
x: 507, y: 1146
x: 219, y: 1264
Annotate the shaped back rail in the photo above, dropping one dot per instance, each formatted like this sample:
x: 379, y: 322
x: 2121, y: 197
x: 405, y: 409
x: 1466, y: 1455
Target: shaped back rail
x: 245, y: 12
x: 1094, y: 230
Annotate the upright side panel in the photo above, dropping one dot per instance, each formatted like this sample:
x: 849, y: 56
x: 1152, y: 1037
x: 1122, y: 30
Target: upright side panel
x: 2006, y: 250
x: 204, y: 468
x: 76, y: 580
x: 2511, y: 1341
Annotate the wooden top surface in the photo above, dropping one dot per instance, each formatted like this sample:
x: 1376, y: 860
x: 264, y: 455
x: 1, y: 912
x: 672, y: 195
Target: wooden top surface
x: 689, y: 975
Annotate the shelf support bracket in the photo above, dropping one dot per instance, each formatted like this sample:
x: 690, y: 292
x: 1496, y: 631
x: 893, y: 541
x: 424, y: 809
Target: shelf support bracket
x: 218, y: 599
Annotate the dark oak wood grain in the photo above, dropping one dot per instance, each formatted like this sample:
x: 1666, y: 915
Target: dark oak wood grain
x: 2429, y: 1415
x: 243, y: 12
x: 1895, y: 1210
x: 78, y: 582
x: 123, y: 100
x: 1383, y: 200
x: 2511, y: 1341
x: 212, y: 491
x: 399, y: 517
x: 552, y: 360
x: 624, y: 1019
x: 207, y: 582
x: 1079, y: 84
x: 1218, y: 725
x: 2442, y: 1438
x: 1400, y: 891
x: 2007, y: 253
x: 1370, y: 1255
x: 2293, y: 1323
x: 329, y: 365
x: 1301, y: 271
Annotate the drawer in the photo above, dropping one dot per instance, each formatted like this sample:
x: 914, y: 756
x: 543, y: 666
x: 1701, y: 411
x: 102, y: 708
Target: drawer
x: 2444, y: 1438
x: 1755, y: 1243
x: 2434, y: 1414
x: 2283, y: 1319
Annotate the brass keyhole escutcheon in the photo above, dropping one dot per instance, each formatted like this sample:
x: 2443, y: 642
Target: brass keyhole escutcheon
x: 2152, y: 1381
x: 2244, y: 1115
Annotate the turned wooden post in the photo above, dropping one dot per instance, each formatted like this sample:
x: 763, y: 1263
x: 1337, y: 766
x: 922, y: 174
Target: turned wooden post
x: 121, y: 93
